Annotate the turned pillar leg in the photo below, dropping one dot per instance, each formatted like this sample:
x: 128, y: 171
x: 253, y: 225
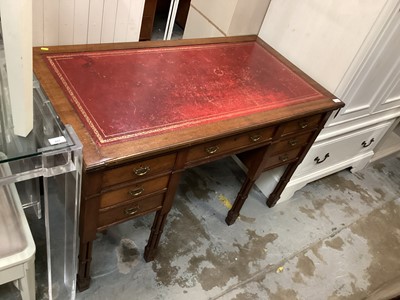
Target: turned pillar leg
x: 233, y: 213
x: 254, y: 171
x: 84, y: 260
x: 276, y: 193
x: 150, y: 250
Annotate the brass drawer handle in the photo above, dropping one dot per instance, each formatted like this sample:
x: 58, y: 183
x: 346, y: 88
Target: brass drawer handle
x: 142, y: 170
x: 284, y: 158
x: 319, y: 161
x: 212, y: 149
x: 132, y: 210
x: 255, y: 137
x: 303, y: 124
x: 365, y: 145
x: 137, y: 192
x: 293, y: 142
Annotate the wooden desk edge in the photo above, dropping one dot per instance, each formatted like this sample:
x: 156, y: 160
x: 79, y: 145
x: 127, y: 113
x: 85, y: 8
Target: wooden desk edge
x: 97, y: 157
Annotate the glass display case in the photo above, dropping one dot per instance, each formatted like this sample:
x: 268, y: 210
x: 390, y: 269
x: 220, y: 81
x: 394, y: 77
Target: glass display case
x: 46, y: 167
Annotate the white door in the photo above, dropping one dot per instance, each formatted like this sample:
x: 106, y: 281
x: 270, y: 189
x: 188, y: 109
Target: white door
x: 389, y: 65
x: 375, y: 86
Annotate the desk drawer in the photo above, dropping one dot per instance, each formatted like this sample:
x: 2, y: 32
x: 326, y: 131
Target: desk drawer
x: 139, y: 170
x: 130, y: 210
x: 300, y: 125
x: 133, y: 191
x: 229, y: 144
x: 282, y: 158
x: 293, y: 142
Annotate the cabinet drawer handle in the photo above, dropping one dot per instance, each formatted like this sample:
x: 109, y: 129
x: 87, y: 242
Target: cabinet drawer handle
x: 365, y: 145
x: 284, y: 158
x: 212, y: 149
x: 255, y: 138
x: 292, y: 142
x: 303, y: 124
x: 137, y: 192
x: 319, y: 161
x: 132, y: 210
x: 142, y: 170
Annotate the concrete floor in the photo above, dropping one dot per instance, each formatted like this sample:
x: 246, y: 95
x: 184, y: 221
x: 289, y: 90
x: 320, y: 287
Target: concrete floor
x: 337, y: 238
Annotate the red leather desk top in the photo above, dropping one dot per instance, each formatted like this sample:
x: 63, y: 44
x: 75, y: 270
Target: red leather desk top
x: 126, y: 94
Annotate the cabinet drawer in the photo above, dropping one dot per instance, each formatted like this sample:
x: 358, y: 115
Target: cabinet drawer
x: 229, y: 144
x: 130, y: 210
x: 139, y: 170
x: 282, y: 158
x: 293, y: 142
x: 337, y: 150
x: 133, y: 191
x: 300, y: 125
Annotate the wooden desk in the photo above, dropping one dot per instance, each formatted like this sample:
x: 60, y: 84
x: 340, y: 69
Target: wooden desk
x: 147, y: 111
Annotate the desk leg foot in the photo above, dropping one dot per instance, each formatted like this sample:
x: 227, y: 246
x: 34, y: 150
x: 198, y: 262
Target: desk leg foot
x: 272, y: 200
x: 85, y: 258
x: 83, y: 284
x: 231, y: 217
x: 149, y: 254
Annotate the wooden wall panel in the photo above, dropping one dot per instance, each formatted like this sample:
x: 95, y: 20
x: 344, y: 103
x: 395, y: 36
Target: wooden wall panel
x: 51, y: 10
x: 95, y: 21
x: 67, y: 22
x: 37, y: 22
x: 121, y: 20
x: 109, y: 18
x: 81, y: 21
x: 134, y: 25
